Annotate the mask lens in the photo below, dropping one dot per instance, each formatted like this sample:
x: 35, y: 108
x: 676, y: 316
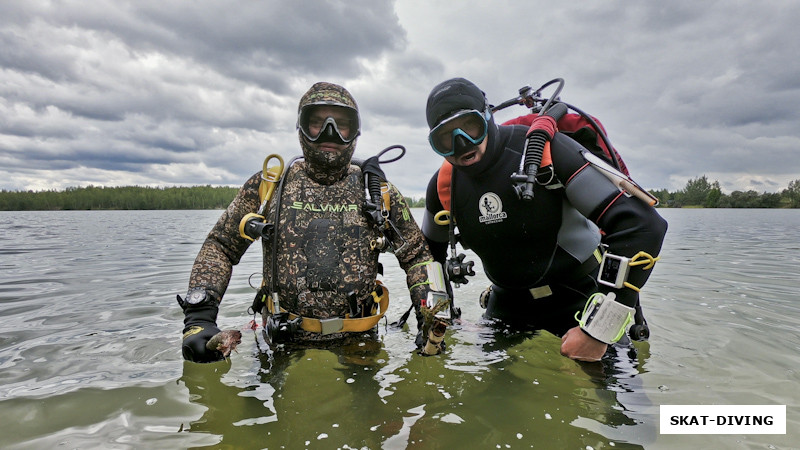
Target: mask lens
x: 319, y: 120
x: 469, y: 124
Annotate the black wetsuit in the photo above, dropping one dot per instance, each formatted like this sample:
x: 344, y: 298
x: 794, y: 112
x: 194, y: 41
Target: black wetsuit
x: 548, y: 244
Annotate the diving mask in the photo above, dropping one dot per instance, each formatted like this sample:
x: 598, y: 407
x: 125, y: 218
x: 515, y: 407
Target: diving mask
x: 329, y: 121
x: 465, y: 127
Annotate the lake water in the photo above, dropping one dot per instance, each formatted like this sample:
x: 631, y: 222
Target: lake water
x: 90, y: 350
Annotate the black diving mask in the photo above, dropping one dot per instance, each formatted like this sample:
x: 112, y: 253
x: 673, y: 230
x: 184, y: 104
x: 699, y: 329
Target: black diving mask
x: 329, y: 122
x: 463, y: 129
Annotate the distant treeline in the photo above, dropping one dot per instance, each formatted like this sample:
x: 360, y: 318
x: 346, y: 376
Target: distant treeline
x: 699, y: 192
x: 128, y: 197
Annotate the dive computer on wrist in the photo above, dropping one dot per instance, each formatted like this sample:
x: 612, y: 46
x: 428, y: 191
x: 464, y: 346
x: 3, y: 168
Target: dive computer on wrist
x: 197, y: 296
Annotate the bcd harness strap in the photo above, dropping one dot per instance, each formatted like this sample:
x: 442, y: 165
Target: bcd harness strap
x: 345, y: 324
x: 271, y: 176
x: 269, y: 179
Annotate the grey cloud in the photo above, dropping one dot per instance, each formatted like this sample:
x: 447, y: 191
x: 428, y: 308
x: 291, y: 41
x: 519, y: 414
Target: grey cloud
x: 199, y: 92
x: 124, y: 86
x: 402, y: 98
x: 258, y: 42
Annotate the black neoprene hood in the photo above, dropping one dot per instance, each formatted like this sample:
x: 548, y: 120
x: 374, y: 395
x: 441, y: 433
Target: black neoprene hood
x: 453, y: 95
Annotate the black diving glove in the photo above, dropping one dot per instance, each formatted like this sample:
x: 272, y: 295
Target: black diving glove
x: 199, y: 327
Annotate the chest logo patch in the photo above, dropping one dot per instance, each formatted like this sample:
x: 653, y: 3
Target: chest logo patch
x: 491, y: 209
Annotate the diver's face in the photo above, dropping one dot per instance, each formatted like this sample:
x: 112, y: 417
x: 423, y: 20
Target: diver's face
x: 461, y: 138
x: 469, y: 156
x: 331, y: 128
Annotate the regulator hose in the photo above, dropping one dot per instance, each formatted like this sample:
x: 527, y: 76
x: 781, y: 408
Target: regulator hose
x: 371, y: 167
x: 534, y: 149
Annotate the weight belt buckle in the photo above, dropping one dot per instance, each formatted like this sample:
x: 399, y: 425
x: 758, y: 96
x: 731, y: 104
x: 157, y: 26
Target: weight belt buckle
x: 333, y: 325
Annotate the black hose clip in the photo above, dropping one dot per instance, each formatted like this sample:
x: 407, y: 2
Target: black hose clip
x: 257, y: 229
x: 280, y: 328
x: 254, y: 226
x: 458, y: 270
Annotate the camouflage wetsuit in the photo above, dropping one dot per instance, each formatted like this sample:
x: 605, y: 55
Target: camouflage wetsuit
x: 323, y: 245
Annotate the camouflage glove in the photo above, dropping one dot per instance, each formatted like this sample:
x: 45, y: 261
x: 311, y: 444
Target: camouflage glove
x: 430, y: 340
x: 200, y: 327
x: 429, y: 344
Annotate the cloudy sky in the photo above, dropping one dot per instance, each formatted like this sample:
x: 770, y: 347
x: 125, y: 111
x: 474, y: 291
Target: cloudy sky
x: 143, y: 92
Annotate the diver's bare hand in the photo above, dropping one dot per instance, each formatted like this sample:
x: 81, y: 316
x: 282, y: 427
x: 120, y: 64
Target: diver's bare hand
x: 580, y: 346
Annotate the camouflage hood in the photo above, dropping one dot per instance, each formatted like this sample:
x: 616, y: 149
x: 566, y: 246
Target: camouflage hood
x: 326, y: 167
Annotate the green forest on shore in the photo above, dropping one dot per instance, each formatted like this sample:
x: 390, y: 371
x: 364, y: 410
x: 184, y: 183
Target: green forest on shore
x: 699, y: 192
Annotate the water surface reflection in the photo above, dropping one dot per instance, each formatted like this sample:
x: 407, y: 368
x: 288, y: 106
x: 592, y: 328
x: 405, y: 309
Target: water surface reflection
x: 89, y: 350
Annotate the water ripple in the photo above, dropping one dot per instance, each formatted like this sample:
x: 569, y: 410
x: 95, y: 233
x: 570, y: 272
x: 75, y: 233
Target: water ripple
x: 91, y: 326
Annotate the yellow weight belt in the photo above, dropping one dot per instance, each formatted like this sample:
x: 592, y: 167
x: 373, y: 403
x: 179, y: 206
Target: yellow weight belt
x: 346, y: 324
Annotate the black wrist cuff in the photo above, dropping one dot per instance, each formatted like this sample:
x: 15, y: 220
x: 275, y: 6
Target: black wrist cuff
x: 195, y: 314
